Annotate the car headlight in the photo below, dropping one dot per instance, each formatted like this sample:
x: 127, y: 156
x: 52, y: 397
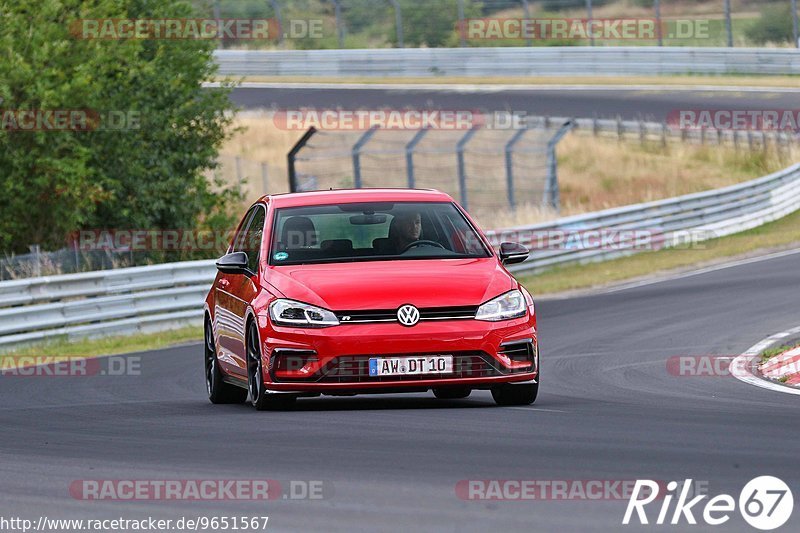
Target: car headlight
x: 504, y: 307
x: 291, y: 313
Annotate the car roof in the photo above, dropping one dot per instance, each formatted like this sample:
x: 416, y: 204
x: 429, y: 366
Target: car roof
x: 350, y: 196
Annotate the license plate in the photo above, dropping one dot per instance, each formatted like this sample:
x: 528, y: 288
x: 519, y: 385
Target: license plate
x: 406, y: 366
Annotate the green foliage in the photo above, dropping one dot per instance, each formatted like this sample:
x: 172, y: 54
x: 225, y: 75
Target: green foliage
x: 774, y: 26
x: 434, y: 23
x: 150, y: 176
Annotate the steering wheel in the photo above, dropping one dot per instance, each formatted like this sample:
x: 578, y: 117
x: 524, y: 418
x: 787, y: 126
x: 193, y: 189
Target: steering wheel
x: 422, y: 243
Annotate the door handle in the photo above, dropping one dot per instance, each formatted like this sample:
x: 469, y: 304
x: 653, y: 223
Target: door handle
x: 223, y: 283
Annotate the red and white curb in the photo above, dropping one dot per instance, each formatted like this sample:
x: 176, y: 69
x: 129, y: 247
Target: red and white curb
x: 785, y: 365
x: 746, y: 366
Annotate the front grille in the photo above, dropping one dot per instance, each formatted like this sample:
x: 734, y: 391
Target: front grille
x: 355, y: 369
x: 390, y: 315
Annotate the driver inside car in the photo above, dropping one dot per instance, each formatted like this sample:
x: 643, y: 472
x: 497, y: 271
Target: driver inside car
x: 405, y: 229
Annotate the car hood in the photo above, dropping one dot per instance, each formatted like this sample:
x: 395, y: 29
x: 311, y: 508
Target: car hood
x: 390, y: 284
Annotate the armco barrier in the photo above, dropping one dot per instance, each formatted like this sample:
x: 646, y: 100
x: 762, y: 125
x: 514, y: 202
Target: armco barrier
x: 165, y: 296
x: 507, y: 62
x: 106, y: 302
x: 676, y: 221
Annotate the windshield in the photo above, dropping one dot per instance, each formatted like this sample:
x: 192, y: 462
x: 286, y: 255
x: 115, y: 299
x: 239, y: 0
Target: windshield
x: 372, y: 232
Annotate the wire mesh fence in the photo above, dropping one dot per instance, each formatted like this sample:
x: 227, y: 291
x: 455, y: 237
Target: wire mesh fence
x: 485, y: 169
x: 320, y: 24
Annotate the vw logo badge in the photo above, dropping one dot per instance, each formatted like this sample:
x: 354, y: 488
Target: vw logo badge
x: 408, y: 315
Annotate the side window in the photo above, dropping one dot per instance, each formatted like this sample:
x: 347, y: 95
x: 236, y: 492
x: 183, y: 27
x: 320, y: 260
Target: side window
x: 238, y: 244
x: 253, y: 237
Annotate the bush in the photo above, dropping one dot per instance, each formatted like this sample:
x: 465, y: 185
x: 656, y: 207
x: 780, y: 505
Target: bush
x: 150, y: 176
x: 774, y: 25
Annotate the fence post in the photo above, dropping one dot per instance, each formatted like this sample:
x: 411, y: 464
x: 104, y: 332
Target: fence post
x: 642, y: 132
x: 552, y: 195
x: 659, y: 32
x: 239, y: 172
x: 217, y: 17
x: 337, y: 9
x: 277, y: 9
x: 36, y: 250
x: 292, y: 156
x: 398, y: 23
x: 462, y: 31
x: 510, y: 165
x: 410, y: 156
x: 589, y: 21
x: 620, y: 130
x: 526, y: 8
x: 360, y: 143
x: 462, y: 171
x: 728, y: 23
x: 795, y: 32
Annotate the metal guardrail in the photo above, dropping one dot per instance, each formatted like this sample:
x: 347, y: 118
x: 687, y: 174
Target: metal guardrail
x: 681, y: 221
x: 117, y: 302
x: 511, y: 62
x: 165, y: 296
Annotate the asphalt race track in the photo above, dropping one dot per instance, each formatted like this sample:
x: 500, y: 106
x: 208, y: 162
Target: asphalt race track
x: 630, y: 104
x: 608, y: 410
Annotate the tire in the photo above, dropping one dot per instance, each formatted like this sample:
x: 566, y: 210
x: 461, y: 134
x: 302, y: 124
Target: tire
x: 452, y: 393
x: 513, y: 394
x: 259, y: 397
x: 219, y: 392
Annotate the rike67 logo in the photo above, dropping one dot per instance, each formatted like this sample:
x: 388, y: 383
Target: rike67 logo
x: 765, y: 503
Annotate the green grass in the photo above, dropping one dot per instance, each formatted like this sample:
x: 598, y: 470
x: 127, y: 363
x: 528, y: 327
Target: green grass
x: 779, y: 234
x: 766, y: 355
x: 65, y: 349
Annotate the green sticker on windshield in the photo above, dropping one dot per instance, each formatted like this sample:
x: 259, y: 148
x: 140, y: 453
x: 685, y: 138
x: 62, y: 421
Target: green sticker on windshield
x: 281, y: 256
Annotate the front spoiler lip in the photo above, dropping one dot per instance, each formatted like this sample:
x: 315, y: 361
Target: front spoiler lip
x: 365, y: 387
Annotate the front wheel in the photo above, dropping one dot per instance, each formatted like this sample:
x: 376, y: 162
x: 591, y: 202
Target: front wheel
x: 259, y: 397
x: 515, y: 394
x: 218, y: 390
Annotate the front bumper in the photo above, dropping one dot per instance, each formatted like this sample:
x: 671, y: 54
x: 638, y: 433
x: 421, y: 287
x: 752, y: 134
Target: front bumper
x: 335, y: 360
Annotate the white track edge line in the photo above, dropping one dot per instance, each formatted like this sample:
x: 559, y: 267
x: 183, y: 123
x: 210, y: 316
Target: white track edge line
x: 742, y: 367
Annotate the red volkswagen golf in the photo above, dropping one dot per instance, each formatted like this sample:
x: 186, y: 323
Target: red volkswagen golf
x: 367, y: 291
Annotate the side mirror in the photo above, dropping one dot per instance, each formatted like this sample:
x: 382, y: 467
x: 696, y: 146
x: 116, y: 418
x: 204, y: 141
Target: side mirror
x: 234, y: 263
x: 512, y: 253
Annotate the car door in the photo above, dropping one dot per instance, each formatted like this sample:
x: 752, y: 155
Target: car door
x: 234, y: 292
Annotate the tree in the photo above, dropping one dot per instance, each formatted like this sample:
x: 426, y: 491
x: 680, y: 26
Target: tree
x: 148, y: 174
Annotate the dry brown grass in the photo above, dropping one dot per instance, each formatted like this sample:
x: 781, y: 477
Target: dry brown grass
x: 594, y: 172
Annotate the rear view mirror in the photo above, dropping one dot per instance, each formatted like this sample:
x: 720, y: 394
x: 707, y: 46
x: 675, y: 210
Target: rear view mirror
x: 512, y: 253
x: 366, y: 220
